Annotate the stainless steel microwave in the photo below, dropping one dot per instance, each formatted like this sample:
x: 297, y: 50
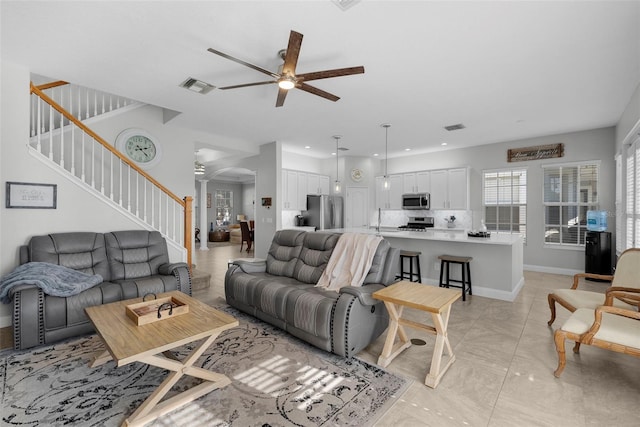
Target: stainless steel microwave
x: 416, y: 201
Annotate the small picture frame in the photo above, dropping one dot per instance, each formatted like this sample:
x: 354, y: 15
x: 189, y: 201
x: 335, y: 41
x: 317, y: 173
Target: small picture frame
x: 25, y: 195
x: 266, y: 202
x: 208, y: 200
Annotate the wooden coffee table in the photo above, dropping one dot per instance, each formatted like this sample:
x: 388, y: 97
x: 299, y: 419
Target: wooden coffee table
x: 436, y: 301
x: 125, y: 342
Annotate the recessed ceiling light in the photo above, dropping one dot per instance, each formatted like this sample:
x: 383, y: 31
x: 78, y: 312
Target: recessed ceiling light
x: 375, y: 154
x: 333, y: 154
x: 407, y: 149
x: 307, y: 146
x: 197, y: 86
x: 443, y: 144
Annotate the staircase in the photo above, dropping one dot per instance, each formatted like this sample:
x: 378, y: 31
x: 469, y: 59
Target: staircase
x: 61, y: 139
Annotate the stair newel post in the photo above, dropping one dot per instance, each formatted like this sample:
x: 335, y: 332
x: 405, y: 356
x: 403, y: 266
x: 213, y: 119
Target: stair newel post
x: 188, y: 202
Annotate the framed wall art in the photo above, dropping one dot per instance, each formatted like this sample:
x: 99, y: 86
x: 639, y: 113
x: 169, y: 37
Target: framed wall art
x: 25, y: 195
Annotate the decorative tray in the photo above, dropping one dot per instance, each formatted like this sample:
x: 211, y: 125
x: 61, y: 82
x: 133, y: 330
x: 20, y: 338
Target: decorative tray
x: 479, y: 234
x: 157, y: 309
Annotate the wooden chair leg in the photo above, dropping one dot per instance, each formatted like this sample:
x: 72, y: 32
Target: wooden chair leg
x: 576, y: 348
x: 559, y: 338
x: 552, y: 307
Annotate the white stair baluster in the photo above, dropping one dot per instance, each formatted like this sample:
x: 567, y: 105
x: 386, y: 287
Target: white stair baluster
x: 39, y: 143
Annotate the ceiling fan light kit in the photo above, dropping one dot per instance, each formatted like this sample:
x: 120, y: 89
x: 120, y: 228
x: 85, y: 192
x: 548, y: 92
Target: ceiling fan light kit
x: 287, y: 78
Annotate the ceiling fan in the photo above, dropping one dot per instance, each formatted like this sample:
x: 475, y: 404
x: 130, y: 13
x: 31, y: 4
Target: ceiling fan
x: 287, y: 78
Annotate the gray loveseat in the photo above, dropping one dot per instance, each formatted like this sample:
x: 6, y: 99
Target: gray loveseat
x: 281, y: 292
x: 131, y: 263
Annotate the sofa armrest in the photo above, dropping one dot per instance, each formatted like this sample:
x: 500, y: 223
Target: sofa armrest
x: 168, y: 269
x: 180, y: 271
x: 363, y: 293
x: 256, y: 266
x: 28, y: 317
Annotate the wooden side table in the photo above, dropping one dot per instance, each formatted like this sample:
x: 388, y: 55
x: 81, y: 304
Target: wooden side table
x: 436, y: 301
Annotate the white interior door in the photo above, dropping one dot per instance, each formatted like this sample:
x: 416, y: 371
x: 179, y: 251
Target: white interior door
x: 357, y: 207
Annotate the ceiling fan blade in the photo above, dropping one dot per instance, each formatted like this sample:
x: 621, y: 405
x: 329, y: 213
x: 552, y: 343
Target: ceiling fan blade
x: 293, y: 51
x: 247, y: 85
x: 282, y: 94
x: 246, y: 64
x: 314, y: 90
x: 327, y: 74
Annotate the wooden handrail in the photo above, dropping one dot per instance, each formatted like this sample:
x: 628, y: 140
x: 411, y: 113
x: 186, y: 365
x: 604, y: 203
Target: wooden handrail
x: 186, y: 204
x: 104, y: 143
x: 52, y: 84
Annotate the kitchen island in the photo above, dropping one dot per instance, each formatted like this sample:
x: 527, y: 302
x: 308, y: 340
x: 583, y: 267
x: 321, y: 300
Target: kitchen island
x: 496, y: 268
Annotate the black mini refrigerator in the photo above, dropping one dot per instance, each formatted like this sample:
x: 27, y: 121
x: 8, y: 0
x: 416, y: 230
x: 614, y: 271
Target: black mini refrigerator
x: 597, y: 252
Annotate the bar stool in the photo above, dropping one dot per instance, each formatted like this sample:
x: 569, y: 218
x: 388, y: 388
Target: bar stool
x: 411, y: 255
x: 465, y: 283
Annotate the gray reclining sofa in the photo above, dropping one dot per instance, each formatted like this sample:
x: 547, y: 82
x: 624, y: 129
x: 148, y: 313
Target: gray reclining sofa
x: 132, y: 263
x: 281, y: 291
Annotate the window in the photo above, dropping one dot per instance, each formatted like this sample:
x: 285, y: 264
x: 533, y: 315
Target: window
x: 632, y: 206
x: 505, y: 201
x: 569, y: 192
x: 224, y: 207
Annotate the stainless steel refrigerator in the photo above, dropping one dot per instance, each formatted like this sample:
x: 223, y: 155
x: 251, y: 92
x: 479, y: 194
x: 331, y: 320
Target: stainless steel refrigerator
x: 324, y: 212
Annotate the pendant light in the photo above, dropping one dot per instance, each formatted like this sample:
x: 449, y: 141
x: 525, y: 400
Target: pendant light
x: 337, y: 186
x: 385, y: 184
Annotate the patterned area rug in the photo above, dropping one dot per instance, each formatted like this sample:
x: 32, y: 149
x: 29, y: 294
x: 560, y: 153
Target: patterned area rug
x: 277, y: 380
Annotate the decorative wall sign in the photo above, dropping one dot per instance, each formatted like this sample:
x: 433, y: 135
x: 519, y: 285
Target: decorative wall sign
x: 31, y: 196
x: 208, y: 200
x: 537, y: 152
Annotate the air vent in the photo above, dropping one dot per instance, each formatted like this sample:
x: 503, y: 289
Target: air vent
x: 345, y: 4
x: 197, y: 86
x: 343, y: 149
x: 455, y: 127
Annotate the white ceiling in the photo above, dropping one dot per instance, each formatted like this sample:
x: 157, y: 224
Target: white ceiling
x: 507, y: 70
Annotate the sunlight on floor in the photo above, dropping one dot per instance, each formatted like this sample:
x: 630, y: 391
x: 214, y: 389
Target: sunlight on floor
x: 269, y: 376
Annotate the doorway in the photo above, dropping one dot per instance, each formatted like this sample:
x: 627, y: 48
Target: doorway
x: 357, y: 207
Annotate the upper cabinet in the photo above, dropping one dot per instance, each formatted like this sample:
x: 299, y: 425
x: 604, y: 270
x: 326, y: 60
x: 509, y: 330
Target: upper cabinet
x: 390, y: 198
x: 296, y: 186
x: 417, y: 182
x: 317, y: 184
x: 450, y: 189
x: 289, y: 189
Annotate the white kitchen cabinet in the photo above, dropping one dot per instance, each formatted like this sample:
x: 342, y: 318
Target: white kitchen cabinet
x: 416, y: 182
x: 450, y: 189
x: 389, y: 198
x: 423, y: 182
x: 289, y: 190
x: 302, y: 192
x: 324, y: 184
x: 318, y: 184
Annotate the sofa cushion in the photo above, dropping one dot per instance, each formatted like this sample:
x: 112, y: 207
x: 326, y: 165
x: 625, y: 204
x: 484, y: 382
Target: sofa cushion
x: 82, y: 251
x: 62, y: 312
x: 139, y: 287
x: 135, y: 253
x: 284, y: 252
x: 314, y: 256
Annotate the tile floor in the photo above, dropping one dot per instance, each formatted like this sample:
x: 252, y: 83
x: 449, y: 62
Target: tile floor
x: 505, y: 358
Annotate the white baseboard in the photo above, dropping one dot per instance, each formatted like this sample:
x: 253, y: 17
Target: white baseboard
x: 488, y: 292
x: 552, y: 270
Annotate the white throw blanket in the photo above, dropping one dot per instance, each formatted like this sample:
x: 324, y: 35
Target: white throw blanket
x: 350, y: 261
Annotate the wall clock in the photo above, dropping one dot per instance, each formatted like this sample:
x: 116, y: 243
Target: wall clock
x: 139, y: 146
x: 356, y: 174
